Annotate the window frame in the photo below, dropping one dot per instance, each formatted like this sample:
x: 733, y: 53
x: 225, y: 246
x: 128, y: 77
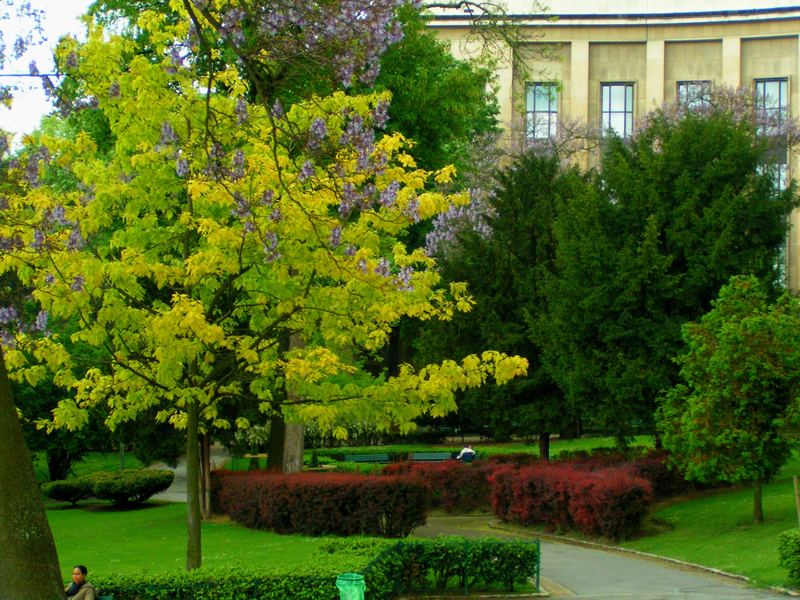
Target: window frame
x: 760, y: 98
x: 549, y: 120
x: 699, y: 99
x: 607, y: 113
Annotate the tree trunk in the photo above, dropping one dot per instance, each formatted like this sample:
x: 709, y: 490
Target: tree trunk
x: 293, y: 448
x: 293, y: 432
x: 28, y: 559
x: 59, y: 462
x: 758, y: 505
x: 277, y: 435
x: 544, y: 445
x: 193, y: 520
x: 205, y: 473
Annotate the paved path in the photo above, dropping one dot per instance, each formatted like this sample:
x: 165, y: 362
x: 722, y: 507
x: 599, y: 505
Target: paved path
x: 570, y: 570
x: 177, y: 491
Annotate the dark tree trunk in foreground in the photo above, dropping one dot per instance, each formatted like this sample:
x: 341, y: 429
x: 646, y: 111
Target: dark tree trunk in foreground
x: 193, y: 519
x: 758, y: 505
x: 28, y: 560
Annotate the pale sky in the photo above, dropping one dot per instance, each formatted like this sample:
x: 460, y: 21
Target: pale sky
x: 61, y: 17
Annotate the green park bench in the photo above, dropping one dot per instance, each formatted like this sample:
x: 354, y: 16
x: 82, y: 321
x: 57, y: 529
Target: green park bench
x: 367, y: 458
x: 105, y: 597
x: 431, y: 456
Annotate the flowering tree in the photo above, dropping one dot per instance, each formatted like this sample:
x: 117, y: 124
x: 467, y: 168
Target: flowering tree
x: 231, y: 243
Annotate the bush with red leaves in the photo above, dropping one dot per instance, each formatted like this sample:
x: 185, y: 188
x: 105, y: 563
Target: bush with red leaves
x: 453, y: 485
x: 323, y: 503
x: 608, y: 502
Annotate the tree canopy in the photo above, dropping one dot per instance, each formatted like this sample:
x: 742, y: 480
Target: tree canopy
x: 224, y: 224
x: 734, y: 416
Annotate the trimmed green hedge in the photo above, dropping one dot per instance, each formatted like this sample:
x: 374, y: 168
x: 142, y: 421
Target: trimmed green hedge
x: 120, y: 487
x: 395, y: 567
x: 68, y: 490
x: 789, y: 552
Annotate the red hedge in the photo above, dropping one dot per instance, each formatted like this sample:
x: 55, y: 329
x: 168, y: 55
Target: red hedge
x: 453, y: 485
x: 609, y: 502
x: 322, y: 503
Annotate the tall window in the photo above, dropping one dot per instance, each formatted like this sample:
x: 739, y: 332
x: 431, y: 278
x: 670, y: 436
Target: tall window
x: 616, y: 111
x: 542, y: 111
x: 694, y: 95
x: 772, y: 102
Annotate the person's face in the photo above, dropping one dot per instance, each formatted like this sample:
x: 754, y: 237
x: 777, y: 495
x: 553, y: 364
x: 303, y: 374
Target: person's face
x: 77, y: 576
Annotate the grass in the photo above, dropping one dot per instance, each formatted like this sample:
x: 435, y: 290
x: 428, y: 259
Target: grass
x: 152, y: 539
x: 716, y: 529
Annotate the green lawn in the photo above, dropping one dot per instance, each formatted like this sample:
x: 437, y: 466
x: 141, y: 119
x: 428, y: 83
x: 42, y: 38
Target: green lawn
x: 716, y: 529
x: 153, y: 539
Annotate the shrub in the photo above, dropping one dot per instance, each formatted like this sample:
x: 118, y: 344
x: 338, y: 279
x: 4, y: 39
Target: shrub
x: 540, y: 495
x: 323, y: 503
x: 482, y: 561
x: 310, y: 583
x: 561, y: 497
x: 453, y: 485
x: 502, y: 491
x: 610, y: 503
x: 789, y: 552
x: 475, y: 563
x: 130, y: 487
x: 68, y: 490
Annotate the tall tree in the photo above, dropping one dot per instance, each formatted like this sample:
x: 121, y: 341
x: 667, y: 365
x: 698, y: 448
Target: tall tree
x: 677, y: 210
x: 734, y: 417
x: 505, y: 256
x: 217, y: 228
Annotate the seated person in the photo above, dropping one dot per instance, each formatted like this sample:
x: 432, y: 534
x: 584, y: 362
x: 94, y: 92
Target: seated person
x: 467, y: 454
x: 80, y: 589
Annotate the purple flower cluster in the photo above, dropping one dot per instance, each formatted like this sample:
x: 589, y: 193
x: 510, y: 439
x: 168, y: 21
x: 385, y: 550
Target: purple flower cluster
x: 271, y: 253
x: 317, y: 133
x: 449, y: 225
x: 241, y: 111
x: 354, y: 32
x: 8, y: 314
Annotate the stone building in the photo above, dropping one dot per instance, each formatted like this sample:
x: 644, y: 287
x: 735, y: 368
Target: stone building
x: 606, y: 64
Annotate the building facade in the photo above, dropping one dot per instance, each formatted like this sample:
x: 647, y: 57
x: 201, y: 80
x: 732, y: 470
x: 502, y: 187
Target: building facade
x: 606, y: 64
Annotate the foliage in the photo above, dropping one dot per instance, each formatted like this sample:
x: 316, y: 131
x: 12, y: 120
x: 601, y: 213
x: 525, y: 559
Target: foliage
x: 610, y: 502
x: 322, y: 503
x: 734, y: 418
x: 440, y: 102
x: 69, y: 490
x: 124, y: 488
x: 505, y: 258
x: 485, y: 561
x: 234, y: 244
x: 301, y: 583
x: 451, y: 485
x: 789, y: 552
x: 434, y: 564
x: 648, y: 250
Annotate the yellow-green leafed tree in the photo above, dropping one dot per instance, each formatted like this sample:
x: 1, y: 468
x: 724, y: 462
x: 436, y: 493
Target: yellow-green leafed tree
x: 228, y: 245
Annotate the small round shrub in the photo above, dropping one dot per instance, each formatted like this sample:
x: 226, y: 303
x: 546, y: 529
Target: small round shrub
x: 68, y: 490
x: 130, y: 487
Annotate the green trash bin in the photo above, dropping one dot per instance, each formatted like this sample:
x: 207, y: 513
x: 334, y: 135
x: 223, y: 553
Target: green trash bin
x: 351, y: 586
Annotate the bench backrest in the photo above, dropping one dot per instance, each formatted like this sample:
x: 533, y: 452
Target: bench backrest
x: 366, y: 458
x: 431, y: 455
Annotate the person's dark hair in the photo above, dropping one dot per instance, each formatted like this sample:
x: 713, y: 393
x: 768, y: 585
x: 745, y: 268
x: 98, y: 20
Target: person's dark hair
x: 82, y: 569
